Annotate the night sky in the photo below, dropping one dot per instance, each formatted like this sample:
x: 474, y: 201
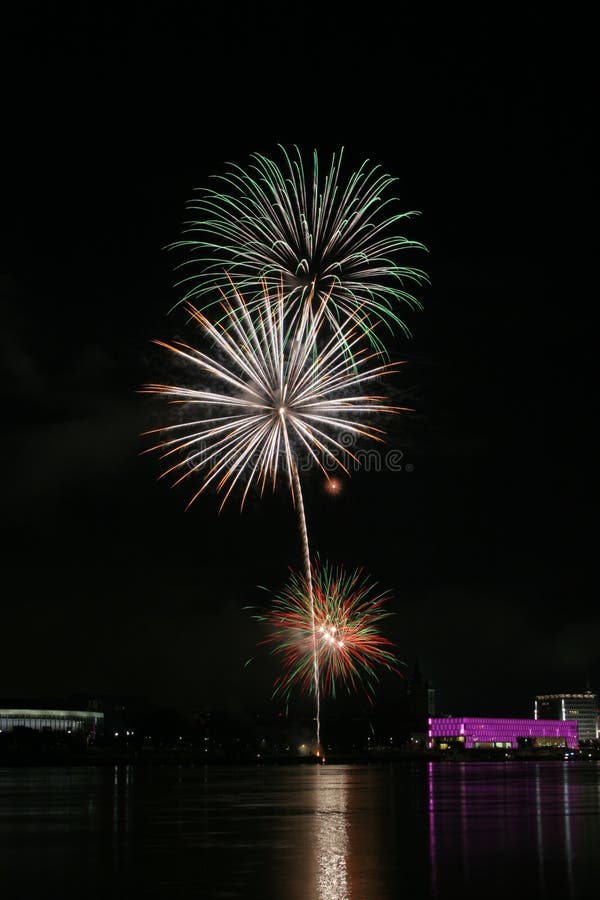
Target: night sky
x: 113, y: 119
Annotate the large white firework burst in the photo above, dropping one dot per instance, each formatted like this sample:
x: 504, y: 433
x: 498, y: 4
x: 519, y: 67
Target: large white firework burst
x: 328, y: 239
x: 268, y: 390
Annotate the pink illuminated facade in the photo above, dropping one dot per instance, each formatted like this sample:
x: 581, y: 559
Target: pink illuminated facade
x: 472, y: 733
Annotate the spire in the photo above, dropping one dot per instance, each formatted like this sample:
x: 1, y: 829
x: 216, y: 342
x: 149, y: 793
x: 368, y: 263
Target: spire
x: 417, y: 675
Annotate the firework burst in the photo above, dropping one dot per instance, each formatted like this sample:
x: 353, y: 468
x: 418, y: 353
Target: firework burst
x: 328, y: 239
x: 348, y: 609
x: 264, y: 395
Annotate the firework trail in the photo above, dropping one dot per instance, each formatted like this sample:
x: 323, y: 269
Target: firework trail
x: 347, y: 609
x: 327, y: 238
x: 265, y: 392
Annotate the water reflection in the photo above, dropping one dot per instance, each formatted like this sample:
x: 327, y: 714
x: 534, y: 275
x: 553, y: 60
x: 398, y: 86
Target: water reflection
x: 121, y: 817
x: 566, y: 798
x: 464, y: 831
x: 486, y: 814
x: 539, y: 830
x: 331, y: 835
x: 431, y: 823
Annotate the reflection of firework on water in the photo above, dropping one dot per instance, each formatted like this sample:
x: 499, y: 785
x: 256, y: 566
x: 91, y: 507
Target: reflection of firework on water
x: 348, y: 610
x: 265, y: 394
x: 326, y: 237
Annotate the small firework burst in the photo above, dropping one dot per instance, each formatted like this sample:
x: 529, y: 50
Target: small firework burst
x: 333, y: 486
x: 343, y: 621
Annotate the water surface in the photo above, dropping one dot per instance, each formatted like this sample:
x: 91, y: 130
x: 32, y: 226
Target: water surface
x: 370, y: 832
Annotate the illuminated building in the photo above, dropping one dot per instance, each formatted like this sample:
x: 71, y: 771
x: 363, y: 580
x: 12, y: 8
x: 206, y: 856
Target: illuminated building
x: 580, y: 708
x: 501, y: 733
x: 70, y: 721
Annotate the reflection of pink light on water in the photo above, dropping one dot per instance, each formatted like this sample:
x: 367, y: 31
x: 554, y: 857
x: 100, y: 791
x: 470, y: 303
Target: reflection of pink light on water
x: 568, y: 841
x: 536, y: 822
x: 464, y: 835
x: 539, y: 830
x: 432, y: 856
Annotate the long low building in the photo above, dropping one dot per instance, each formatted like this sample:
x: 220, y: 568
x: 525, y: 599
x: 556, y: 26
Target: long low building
x: 502, y: 733
x: 68, y: 720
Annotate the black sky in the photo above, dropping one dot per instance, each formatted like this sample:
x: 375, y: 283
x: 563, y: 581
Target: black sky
x: 114, y: 117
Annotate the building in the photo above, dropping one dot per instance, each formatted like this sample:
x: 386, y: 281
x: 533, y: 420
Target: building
x: 500, y: 733
x: 420, y: 698
x: 580, y: 708
x: 86, y: 723
x: 418, y: 707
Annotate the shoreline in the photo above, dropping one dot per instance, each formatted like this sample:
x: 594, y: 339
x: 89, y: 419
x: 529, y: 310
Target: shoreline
x: 98, y: 757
